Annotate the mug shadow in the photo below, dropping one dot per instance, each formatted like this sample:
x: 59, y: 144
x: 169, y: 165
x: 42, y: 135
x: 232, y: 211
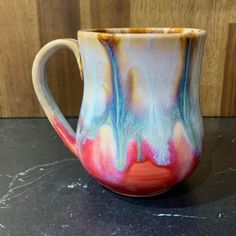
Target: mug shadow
x: 203, y: 187
x: 181, y: 195
x: 209, y: 183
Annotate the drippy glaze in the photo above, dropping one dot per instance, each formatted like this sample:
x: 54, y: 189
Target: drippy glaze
x: 140, y: 128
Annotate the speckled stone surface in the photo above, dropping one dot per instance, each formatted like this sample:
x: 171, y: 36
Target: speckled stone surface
x: 44, y: 190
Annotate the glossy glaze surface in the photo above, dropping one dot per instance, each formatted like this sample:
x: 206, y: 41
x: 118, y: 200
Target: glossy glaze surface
x: 140, y: 128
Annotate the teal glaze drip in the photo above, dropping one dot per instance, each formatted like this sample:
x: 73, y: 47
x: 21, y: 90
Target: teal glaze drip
x: 124, y: 124
x: 118, y: 108
x: 184, y: 98
x: 127, y: 126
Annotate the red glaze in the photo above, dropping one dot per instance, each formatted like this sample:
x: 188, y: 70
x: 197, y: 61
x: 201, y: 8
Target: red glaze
x: 139, y: 178
x: 68, y: 138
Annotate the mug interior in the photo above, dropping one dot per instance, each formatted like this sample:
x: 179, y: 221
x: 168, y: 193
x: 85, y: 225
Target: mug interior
x: 159, y: 30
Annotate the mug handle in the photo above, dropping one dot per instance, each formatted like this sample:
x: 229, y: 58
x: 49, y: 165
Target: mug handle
x: 53, y: 113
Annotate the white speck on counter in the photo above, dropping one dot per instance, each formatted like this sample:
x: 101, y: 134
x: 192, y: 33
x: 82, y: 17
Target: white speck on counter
x: 65, y: 226
x: 114, y: 233
x: 29, y: 178
x: 85, y: 186
x: 5, y: 207
x: 230, y: 169
x: 220, y: 215
x: 219, y: 136
x: 172, y: 226
x: 2, y: 226
x: 178, y: 215
x: 74, y: 185
x: 71, y: 186
x: 43, y: 233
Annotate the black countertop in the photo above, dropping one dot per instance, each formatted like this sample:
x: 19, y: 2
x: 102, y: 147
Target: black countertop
x: 44, y: 190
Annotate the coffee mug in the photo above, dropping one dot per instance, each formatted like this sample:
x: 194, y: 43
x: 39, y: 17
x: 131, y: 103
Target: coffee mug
x: 140, y: 128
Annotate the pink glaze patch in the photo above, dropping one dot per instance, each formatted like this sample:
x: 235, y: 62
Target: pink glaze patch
x: 147, y: 152
x: 132, y: 153
x: 68, y: 138
x: 143, y: 177
x: 99, y: 164
x: 98, y: 157
x: 140, y: 176
x: 184, y: 160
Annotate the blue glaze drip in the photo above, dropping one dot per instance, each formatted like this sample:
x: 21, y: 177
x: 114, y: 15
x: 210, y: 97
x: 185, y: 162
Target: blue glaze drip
x: 127, y: 126
x: 118, y: 108
x: 184, y: 97
x: 124, y: 123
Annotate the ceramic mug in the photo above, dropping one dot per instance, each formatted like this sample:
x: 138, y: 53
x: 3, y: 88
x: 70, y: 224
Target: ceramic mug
x: 140, y: 128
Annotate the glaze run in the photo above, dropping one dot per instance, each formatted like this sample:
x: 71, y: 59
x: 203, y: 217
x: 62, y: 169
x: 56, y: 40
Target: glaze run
x: 140, y: 128
x: 141, y: 131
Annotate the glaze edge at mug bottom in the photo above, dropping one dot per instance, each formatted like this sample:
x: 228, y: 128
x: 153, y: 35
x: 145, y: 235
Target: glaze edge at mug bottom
x: 134, y: 195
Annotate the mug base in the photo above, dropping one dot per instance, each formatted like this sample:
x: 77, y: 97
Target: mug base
x: 134, y: 195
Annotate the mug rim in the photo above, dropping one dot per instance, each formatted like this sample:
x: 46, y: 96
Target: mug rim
x: 148, y: 31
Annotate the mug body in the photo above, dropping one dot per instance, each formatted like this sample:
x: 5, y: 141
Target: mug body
x: 140, y: 128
